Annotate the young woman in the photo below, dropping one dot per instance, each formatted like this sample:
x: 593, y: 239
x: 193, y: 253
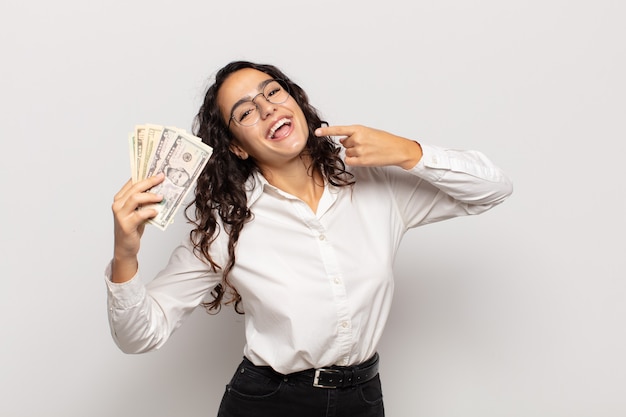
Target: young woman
x: 298, y: 231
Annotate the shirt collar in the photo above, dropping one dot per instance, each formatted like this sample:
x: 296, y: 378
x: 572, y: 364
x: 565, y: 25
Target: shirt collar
x: 256, y: 184
x: 254, y: 187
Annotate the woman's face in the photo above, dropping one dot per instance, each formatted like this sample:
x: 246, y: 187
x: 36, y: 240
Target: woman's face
x: 281, y: 132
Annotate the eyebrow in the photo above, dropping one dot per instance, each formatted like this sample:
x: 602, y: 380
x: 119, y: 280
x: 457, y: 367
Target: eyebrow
x: 246, y: 99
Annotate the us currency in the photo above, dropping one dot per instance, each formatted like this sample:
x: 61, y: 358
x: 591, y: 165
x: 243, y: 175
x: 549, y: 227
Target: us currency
x: 152, y: 136
x: 139, y: 143
x: 179, y: 155
x: 161, y: 149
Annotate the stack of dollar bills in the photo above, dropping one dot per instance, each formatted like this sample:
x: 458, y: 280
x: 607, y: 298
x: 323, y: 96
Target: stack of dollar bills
x: 181, y: 156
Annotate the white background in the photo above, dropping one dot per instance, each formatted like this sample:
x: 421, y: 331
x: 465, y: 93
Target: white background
x: 517, y: 312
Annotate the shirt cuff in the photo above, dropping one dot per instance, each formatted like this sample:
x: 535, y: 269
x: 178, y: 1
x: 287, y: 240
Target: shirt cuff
x: 124, y: 295
x: 433, y: 164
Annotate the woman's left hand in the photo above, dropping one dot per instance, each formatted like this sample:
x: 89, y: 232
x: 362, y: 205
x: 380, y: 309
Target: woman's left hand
x: 371, y: 147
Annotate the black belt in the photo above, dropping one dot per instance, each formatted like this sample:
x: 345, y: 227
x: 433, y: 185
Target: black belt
x: 331, y: 377
x: 345, y: 376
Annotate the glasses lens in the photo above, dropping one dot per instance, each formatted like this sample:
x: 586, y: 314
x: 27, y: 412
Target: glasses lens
x: 275, y: 93
x: 247, y: 113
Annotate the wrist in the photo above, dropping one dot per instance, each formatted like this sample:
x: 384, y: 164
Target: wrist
x: 412, y: 153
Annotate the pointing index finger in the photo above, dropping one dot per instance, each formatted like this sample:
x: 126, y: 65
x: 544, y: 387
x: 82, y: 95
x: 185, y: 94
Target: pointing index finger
x: 334, y: 131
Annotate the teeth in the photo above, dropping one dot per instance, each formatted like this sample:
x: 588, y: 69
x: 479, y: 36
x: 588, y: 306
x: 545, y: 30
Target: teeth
x: 278, y: 124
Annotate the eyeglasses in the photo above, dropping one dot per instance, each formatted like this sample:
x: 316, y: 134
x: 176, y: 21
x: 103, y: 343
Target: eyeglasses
x: 247, y: 113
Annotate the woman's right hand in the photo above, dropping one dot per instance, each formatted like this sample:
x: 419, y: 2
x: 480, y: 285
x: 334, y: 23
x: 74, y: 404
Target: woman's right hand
x: 129, y: 222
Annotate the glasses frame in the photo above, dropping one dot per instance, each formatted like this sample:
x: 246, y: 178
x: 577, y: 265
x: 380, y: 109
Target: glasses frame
x: 282, y: 83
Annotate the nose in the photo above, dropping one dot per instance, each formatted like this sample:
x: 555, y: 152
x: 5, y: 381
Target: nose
x: 265, y: 107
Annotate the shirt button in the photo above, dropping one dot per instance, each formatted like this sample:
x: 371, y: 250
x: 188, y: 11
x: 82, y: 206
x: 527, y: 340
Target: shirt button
x: 322, y: 237
x: 344, y: 324
x: 337, y: 281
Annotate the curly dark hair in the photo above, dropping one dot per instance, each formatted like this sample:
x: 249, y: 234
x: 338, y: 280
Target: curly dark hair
x: 221, y: 187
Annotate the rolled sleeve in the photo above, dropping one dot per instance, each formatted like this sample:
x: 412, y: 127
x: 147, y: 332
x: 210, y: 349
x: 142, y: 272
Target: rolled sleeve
x: 447, y: 183
x: 124, y: 295
x: 142, y: 316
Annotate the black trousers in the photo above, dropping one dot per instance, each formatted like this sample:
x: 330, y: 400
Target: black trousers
x: 259, y: 391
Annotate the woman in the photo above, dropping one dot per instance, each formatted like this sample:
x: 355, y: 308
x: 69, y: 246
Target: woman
x: 298, y: 231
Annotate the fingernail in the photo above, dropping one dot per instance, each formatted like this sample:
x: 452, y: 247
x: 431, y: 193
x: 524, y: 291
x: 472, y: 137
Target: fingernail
x: 318, y: 132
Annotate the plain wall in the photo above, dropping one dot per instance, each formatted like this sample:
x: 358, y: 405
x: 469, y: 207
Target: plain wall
x: 518, y: 312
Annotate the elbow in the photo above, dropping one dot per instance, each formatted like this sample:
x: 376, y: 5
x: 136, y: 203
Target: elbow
x: 135, y: 340
x: 493, y: 195
x: 134, y: 347
x: 504, y: 190
x: 497, y: 191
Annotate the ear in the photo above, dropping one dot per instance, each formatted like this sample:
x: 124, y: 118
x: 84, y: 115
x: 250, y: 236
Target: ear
x: 238, y: 151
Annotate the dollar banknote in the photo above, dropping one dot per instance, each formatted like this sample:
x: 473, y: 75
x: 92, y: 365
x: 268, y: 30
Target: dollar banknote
x: 179, y: 155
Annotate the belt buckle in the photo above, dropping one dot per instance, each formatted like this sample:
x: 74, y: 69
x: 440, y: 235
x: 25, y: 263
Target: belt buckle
x: 320, y: 384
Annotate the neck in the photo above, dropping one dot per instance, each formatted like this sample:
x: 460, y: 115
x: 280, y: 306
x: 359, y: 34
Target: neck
x: 298, y: 180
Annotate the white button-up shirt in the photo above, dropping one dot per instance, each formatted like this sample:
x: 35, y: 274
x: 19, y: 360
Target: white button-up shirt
x: 316, y: 286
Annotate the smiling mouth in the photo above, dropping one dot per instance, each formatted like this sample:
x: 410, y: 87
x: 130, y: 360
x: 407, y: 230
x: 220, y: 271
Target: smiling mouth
x: 280, y: 129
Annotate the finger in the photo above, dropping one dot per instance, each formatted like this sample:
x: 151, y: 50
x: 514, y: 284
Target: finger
x: 126, y: 206
x: 351, y: 153
x: 145, y: 213
x: 139, y: 187
x: 136, y: 204
x: 348, y: 142
x: 334, y: 131
x: 129, y: 222
x: 351, y: 161
x: 136, y: 201
x: 150, y: 182
x: 359, y: 161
